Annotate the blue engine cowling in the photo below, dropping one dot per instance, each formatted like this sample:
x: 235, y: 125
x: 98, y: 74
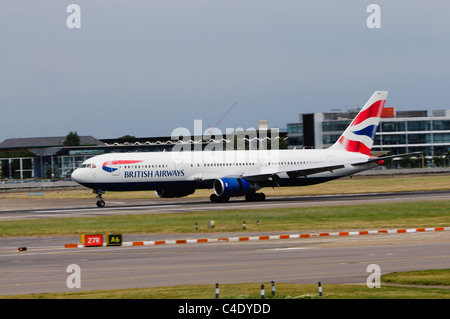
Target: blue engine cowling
x: 229, y: 187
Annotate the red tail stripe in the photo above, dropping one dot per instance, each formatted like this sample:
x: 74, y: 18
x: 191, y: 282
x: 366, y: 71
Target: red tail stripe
x: 372, y: 111
x: 354, y: 146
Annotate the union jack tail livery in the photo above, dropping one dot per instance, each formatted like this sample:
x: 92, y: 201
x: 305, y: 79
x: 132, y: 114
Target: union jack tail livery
x: 360, y: 135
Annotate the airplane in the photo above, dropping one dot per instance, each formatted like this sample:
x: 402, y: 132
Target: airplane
x: 234, y: 173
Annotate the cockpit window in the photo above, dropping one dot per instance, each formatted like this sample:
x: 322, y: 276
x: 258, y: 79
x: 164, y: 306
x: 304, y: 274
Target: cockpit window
x: 88, y: 166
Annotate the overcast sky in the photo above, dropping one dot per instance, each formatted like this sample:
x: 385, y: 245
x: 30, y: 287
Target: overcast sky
x: 147, y: 67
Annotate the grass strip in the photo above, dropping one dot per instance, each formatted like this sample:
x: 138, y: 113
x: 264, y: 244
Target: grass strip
x: 252, y: 291
x: 373, y: 216
x: 432, y: 277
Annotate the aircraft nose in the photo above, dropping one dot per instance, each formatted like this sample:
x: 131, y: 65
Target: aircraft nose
x: 76, y: 175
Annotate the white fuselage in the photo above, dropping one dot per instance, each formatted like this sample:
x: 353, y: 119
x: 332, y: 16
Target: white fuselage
x: 163, y: 170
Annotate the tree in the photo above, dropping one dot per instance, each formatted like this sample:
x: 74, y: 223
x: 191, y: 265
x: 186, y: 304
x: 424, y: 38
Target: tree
x: 72, y: 139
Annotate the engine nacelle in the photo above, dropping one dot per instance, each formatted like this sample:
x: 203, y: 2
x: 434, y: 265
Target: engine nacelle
x: 172, y: 193
x: 229, y: 187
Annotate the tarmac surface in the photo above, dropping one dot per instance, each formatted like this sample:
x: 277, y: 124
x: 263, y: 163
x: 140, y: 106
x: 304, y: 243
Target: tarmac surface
x: 47, y: 208
x: 44, y: 266
x: 328, y: 260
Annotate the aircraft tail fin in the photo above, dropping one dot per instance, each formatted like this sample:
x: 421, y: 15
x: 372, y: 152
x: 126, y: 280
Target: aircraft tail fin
x: 360, y: 134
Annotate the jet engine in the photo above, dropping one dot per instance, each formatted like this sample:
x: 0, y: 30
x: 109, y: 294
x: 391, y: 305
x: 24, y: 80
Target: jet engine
x: 229, y: 187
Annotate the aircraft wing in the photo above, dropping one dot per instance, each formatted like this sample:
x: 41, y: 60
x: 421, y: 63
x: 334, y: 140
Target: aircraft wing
x: 272, y: 173
x: 314, y: 170
x: 292, y: 173
x: 269, y: 174
x: 212, y: 176
x: 382, y: 158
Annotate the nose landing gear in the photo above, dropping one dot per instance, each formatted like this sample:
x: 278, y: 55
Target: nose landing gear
x: 100, y: 201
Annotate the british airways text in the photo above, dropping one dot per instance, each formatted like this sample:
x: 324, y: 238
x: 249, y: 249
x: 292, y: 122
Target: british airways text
x: 160, y: 173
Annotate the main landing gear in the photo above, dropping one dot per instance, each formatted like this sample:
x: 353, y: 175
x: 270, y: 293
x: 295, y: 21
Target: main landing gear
x: 100, y: 201
x: 251, y: 197
x: 255, y: 197
x: 219, y: 199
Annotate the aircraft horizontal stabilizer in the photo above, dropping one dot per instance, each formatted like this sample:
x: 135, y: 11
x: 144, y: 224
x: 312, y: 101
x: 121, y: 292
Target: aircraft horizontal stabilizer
x: 310, y: 171
x: 376, y: 159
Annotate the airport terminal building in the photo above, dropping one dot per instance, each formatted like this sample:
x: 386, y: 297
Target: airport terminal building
x: 47, y: 157
x: 399, y: 131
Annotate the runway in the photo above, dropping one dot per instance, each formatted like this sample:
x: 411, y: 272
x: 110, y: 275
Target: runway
x: 43, y: 267
x: 11, y: 209
x: 328, y: 260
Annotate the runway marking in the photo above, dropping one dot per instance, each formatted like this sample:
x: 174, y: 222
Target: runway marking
x: 288, y: 248
x: 99, y: 210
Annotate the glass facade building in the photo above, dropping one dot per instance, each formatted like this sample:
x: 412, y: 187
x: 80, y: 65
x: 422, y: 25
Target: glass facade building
x: 428, y: 134
x: 402, y: 133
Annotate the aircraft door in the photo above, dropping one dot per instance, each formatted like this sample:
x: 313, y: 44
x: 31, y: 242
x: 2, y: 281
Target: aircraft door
x: 179, y: 166
x: 116, y: 170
